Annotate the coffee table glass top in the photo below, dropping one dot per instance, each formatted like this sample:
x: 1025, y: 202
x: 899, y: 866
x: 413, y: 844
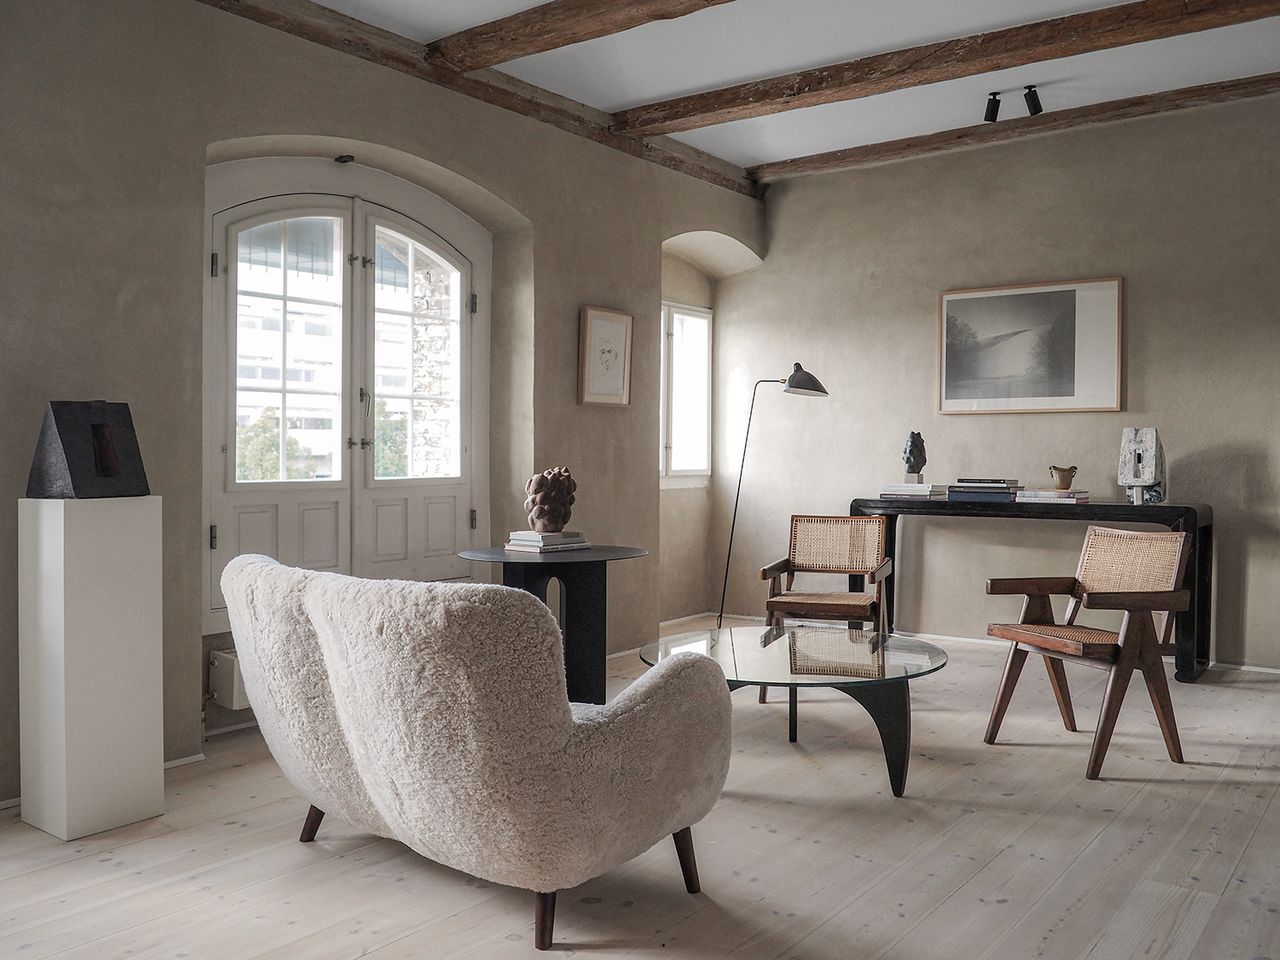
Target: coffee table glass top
x: 802, y: 655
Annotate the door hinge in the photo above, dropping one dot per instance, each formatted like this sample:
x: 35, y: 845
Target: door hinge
x: 353, y: 258
x: 473, y: 520
x: 213, y: 265
x: 473, y: 303
x: 213, y: 536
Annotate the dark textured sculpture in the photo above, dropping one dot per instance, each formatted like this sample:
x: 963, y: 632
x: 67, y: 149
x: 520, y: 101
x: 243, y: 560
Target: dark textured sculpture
x: 550, y: 499
x: 87, y: 449
x: 913, y: 454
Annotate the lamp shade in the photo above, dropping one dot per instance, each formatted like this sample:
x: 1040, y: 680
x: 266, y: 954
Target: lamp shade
x: 804, y: 383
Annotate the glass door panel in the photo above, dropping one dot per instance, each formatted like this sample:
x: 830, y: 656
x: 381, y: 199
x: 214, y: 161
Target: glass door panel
x: 417, y: 361
x: 289, y: 337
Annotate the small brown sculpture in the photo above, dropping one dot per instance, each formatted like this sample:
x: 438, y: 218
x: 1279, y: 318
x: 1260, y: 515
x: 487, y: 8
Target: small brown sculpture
x: 1063, y: 476
x: 550, y: 499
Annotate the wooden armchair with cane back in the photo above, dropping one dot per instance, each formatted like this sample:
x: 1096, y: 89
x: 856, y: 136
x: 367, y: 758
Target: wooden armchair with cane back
x: 1136, y: 573
x: 839, y: 544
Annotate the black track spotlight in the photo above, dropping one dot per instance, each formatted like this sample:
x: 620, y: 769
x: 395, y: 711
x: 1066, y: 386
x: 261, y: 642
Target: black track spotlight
x: 993, y: 108
x: 1033, y: 100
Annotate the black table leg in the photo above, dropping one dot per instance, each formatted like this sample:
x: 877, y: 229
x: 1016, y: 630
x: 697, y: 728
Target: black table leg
x: 889, y: 704
x: 791, y: 714
x: 1192, y: 628
x: 582, y: 603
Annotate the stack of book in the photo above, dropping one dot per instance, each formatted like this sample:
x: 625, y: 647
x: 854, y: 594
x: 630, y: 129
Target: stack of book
x: 530, y: 541
x: 983, y: 490
x: 913, y: 491
x: 1053, y: 496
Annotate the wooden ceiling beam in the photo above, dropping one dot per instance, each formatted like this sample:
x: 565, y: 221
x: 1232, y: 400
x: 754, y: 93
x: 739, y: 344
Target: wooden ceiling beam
x: 319, y: 24
x: 1019, y: 127
x: 552, y: 25
x: 1066, y: 36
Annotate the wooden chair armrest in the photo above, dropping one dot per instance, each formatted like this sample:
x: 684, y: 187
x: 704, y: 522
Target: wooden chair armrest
x: 1032, y: 586
x: 775, y: 569
x: 882, y: 571
x: 1172, y: 601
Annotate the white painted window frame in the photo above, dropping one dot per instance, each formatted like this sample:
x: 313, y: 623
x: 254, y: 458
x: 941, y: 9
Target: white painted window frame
x: 236, y: 182
x: 668, y: 478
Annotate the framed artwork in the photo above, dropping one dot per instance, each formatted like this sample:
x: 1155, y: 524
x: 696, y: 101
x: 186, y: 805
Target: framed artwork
x: 604, y: 356
x: 1037, y: 348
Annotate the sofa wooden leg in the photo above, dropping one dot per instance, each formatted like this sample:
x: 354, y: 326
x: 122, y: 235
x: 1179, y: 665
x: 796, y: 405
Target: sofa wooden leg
x: 1012, y: 670
x: 764, y: 694
x: 688, y: 865
x: 311, y: 824
x: 544, y: 919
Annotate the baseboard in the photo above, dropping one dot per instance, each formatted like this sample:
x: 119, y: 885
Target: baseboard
x: 945, y: 637
x: 1215, y: 665
x: 9, y: 804
x: 183, y: 761
x: 229, y: 729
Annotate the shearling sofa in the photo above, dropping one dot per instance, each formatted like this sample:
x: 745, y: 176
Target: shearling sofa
x: 436, y: 714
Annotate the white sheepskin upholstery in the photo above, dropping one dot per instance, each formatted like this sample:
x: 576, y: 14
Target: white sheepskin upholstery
x: 452, y: 716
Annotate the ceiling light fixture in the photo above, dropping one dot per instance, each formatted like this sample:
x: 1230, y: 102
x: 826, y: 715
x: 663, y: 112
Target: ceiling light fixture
x: 1033, y: 100
x: 993, y: 108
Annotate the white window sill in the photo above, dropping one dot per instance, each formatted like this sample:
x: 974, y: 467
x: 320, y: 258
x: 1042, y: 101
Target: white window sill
x: 684, y: 482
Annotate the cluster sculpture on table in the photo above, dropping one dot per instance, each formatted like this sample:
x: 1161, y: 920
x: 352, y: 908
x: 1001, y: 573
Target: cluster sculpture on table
x: 913, y: 458
x: 550, y: 500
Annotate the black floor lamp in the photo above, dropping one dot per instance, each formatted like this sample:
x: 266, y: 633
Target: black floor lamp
x: 801, y: 382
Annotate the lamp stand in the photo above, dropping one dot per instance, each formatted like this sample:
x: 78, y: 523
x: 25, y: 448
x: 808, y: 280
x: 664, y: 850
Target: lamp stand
x: 737, y: 496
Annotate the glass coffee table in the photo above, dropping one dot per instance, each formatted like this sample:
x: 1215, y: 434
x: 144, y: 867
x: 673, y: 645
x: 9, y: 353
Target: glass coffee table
x: 873, y: 668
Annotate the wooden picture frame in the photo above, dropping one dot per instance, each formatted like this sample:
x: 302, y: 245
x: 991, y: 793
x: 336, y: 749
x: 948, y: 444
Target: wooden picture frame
x: 604, y: 356
x: 1052, y: 347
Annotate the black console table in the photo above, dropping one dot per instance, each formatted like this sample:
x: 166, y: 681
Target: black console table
x: 1191, y: 629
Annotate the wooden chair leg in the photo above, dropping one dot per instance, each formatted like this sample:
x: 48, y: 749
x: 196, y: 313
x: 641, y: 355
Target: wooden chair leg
x: 764, y: 694
x: 688, y: 865
x: 311, y: 824
x: 1012, y: 670
x: 1058, y: 680
x: 544, y: 919
x: 1117, y: 684
x: 1158, y: 687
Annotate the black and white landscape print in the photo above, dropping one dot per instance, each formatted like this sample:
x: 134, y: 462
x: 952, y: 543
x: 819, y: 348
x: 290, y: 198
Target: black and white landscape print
x: 1010, y: 346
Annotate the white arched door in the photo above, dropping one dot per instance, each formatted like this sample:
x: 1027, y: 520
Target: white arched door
x: 340, y: 383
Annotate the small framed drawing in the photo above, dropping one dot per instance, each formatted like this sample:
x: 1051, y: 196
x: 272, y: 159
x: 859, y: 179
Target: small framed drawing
x: 1038, y: 348
x: 604, y: 356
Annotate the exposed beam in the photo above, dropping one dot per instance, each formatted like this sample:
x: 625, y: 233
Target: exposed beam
x: 1020, y: 127
x: 947, y: 60
x: 311, y: 21
x: 551, y: 25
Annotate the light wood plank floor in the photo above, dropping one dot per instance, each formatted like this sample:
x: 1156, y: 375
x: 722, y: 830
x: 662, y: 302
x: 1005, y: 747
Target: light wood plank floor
x: 1002, y: 852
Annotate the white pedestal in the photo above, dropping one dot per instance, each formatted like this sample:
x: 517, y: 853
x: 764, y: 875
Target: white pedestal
x: 90, y: 658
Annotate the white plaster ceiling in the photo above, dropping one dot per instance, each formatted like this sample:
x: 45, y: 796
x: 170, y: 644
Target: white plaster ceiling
x: 752, y: 39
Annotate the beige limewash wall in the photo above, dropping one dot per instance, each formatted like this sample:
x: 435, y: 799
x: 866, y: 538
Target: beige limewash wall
x: 1185, y: 207
x: 109, y: 116
x: 684, y: 512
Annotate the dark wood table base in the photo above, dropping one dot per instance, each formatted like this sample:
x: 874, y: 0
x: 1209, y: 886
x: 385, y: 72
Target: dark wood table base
x: 888, y: 703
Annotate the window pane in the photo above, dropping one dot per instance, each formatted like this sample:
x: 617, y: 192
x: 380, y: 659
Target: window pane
x: 313, y: 257
x: 690, y: 391
x: 258, y: 436
x: 313, y: 425
x: 258, y: 256
x: 417, y: 359
x: 390, y: 438
x: 259, y: 343
x: 315, y: 348
x: 289, y: 350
